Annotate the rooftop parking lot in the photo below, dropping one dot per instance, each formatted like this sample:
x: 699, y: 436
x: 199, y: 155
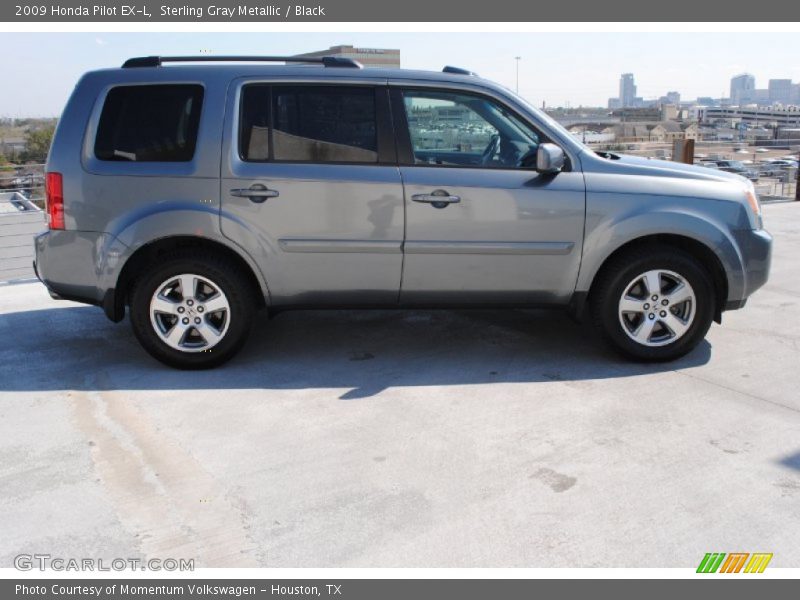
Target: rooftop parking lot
x: 408, y: 438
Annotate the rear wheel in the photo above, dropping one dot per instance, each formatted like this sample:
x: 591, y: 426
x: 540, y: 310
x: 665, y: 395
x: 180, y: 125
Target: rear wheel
x: 653, y: 305
x: 192, y: 312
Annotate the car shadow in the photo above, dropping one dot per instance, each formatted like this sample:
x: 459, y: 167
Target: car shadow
x: 360, y: 353
x: 791, y: 461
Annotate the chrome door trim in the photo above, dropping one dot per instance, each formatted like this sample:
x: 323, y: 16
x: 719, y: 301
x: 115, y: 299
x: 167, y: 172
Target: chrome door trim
x: 538, y: 248
x: 341, y: 246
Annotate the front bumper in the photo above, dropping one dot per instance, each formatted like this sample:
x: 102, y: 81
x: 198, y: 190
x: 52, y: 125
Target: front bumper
x: 755, y: 246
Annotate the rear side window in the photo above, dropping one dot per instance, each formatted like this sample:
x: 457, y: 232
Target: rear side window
x: 336, y: 124
x: 149, y: 123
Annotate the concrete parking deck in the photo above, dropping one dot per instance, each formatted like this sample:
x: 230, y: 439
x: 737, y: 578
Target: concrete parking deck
x: 412, y: 438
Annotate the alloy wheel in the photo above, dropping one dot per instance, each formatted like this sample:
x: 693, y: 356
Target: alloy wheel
x: 190, y: 313
x: 657, y: 307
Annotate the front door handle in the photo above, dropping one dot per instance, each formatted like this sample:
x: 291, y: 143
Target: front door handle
x: 256, y: 193
x: 437, y: 198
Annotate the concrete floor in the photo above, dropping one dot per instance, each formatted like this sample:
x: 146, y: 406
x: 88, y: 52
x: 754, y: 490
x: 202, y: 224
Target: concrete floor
x: 425, y: 438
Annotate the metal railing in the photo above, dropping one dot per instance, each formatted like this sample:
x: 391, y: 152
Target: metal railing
x: 18, y: 228
x: 28, y: 180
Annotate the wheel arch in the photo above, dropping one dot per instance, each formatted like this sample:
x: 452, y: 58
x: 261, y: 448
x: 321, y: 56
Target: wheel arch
x: 709, y: 259
x: 118, y: 297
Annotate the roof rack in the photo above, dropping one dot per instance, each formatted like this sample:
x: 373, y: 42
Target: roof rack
x: 157, y: 61
x: 458, y: 71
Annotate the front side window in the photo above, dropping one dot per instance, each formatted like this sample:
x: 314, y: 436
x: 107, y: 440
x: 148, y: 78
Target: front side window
x: 462, y: 130
x: 322, y: 124
x: 149, y: 123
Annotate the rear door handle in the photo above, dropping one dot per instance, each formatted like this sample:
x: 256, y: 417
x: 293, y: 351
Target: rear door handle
x: 256, y: 193
x: 437, y: 198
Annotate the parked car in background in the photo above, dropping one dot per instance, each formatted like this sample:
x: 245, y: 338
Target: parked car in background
x: 191, y: 196
x: 776, y: 167
x: 739, y: 168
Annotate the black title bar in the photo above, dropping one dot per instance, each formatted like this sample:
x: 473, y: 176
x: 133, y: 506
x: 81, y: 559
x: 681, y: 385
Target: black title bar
x: 442, y: 11
x: 701, y: 587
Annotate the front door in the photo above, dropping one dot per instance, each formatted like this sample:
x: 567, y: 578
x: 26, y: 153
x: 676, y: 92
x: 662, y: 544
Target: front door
x: 482, y: 225
x: 311, y: 186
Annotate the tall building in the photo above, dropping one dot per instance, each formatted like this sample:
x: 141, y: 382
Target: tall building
x: 780, y: 91
x: 670, y: 98
x: 627, y: 90
x: 743, y: 89
x: 369, y: 57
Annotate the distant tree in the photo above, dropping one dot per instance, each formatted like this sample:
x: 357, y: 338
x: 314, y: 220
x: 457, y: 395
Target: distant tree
x: 37, y: 142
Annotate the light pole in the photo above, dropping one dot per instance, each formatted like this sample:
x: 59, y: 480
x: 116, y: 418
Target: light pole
x: 517, y: 58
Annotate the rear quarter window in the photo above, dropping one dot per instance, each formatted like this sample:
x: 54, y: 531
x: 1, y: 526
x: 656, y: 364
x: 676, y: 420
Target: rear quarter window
x: 149, y: 123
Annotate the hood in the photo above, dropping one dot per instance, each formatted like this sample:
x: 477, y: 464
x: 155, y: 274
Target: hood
x: 636, y: 165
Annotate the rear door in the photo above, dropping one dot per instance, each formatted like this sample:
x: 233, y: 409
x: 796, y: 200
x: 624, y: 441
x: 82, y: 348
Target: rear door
x: 311, y: 185
x: 482, y: 225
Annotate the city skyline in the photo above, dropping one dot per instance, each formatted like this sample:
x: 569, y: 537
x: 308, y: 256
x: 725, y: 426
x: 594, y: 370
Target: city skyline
x: 743, y: 92
x: 560, y: 69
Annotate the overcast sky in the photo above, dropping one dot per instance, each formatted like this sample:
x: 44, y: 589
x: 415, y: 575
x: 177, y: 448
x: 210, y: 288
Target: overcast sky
x: 40, y: 69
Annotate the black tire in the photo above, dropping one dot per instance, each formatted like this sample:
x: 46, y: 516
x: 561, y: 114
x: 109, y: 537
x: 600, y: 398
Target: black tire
x: 227, y: 276
x: 612, y: 282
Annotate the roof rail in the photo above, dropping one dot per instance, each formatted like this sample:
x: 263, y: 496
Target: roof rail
x: 458, y: 71
x: 157, y: 61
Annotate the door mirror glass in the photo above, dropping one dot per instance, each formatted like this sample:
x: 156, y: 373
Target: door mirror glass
x: 549, y: 158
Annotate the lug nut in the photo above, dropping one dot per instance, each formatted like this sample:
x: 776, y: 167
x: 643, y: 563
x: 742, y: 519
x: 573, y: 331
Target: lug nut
x: 181, y: 309
x: 185, y: 320
x: 189, y: 302
x: 646, y: 306
x: 651, y: 316
x: 654, y: 298
x: 664, y: 302
x: 197, y: 320
x: 663, y: 313
x: 200, y: 309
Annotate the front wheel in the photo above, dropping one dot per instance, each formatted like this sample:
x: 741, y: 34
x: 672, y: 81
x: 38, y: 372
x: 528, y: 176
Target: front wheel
x: 192, y: 312
x: 653, y: 305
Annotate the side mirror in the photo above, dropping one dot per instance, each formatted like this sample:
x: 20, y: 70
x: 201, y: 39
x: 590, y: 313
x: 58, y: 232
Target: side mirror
x: 549, y: 158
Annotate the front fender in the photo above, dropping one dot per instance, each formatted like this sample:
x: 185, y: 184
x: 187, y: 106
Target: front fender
x: 608, y: 229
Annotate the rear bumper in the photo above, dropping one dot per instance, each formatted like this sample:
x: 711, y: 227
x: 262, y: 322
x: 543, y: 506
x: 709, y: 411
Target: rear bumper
x: 53, y: 294
x: 79, y: 266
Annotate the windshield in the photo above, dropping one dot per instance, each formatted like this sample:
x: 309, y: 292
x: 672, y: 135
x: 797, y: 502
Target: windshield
x: 550, y: 121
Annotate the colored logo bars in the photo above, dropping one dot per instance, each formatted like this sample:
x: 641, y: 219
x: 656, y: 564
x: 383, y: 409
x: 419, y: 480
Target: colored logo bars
x: 716, y: 561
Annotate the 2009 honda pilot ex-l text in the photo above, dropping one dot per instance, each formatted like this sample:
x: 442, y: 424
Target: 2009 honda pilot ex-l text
x: 195, y: 193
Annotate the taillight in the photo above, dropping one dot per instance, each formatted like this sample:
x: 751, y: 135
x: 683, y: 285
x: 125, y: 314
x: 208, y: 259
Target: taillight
x: 54, y: 198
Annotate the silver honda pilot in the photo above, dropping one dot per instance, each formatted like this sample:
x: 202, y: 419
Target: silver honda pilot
x: 196, y: 193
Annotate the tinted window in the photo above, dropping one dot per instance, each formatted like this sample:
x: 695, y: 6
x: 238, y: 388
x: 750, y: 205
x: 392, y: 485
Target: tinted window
x: 149, y: 123
x: 309, y: 124
x: 254, y: 123
x: 454, y: 129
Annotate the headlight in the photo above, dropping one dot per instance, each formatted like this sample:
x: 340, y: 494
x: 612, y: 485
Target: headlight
x: 755, y: 205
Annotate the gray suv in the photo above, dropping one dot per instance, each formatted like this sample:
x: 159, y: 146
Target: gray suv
x: 194, y: 194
